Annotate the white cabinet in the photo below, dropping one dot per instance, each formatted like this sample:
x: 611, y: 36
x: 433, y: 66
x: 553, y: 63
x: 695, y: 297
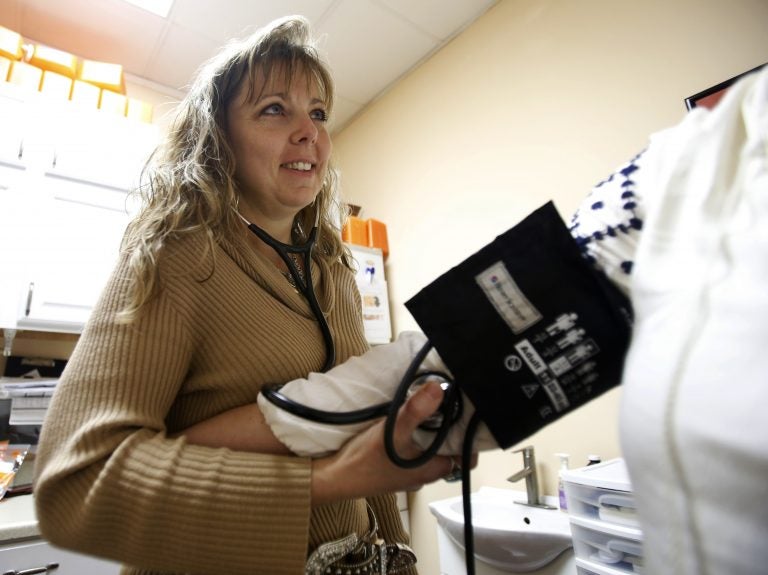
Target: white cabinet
x: 65, y: 178
x: 80, y: 225
x: 99, y: 147
x: 38, y: 556
x: 12, y: 121
x: 402, y: 507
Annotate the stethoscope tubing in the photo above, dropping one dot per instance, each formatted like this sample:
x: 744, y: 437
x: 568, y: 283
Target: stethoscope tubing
x: 450, y: 409
x: 304, y: 285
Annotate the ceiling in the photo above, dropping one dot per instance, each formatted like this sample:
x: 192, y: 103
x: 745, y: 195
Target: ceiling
x: 369, y: 44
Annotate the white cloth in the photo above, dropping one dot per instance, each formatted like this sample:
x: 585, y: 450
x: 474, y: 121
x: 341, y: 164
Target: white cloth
x: 360, y: 382
x: 694, y: 426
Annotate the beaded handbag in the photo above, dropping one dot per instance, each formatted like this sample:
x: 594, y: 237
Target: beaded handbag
x: 360, y: 555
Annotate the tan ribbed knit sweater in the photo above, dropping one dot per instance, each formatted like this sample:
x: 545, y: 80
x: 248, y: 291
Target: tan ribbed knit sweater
x: 109, y: 480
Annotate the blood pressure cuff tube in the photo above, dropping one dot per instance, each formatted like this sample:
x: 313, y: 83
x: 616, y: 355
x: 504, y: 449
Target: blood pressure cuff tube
x: 529, y: 329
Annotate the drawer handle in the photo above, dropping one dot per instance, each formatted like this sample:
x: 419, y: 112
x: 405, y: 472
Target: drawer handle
x: 34, y: 570
x: 28, y: 309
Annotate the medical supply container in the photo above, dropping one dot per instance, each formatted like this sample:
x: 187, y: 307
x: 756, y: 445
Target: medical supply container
x: 607, y: 538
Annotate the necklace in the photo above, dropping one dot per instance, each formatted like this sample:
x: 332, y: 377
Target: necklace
x: 287, y: 273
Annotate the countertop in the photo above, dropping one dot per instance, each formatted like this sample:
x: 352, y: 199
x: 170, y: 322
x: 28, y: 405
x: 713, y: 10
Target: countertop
x: 17, y: 518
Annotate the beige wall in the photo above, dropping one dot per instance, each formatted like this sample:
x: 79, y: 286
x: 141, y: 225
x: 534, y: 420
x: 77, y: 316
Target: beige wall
x: 538, y: 100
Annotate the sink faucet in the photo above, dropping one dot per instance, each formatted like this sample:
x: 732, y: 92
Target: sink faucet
x: 531, y: 481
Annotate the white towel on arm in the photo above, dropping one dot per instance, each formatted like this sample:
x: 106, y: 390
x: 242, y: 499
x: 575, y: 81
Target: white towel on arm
x: 360, y: 382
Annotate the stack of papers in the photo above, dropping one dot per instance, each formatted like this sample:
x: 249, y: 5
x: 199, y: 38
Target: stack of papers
x: 29, y: 398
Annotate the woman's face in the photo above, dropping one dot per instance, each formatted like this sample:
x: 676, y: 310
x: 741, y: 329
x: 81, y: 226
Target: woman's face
x: 281, y: 146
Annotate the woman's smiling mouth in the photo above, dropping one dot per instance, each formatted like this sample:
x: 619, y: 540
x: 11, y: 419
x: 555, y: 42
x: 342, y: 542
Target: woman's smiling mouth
x: 300, y: 166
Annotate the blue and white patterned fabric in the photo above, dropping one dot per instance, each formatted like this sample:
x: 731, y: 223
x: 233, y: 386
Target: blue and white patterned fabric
x: 608, y: 222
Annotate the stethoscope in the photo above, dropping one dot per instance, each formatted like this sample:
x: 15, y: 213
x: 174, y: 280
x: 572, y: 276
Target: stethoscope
x: 450, y: 409
x: 303, y: 283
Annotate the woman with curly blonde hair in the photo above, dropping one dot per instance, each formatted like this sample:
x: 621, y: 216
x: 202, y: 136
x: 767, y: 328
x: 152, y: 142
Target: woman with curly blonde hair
x: 191, y: 186
x: 153, y: 452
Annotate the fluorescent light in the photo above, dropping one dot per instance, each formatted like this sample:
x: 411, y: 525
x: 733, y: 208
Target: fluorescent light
x: 159, y: 7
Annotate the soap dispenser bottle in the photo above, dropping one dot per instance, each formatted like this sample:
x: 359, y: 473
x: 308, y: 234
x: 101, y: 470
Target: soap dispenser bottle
x: 560, y: 484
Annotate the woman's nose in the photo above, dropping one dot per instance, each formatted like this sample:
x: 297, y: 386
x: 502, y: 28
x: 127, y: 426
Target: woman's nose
x: 306, y: 130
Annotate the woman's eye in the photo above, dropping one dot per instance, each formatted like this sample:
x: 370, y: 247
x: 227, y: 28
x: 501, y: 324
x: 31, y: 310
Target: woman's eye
x: 320, y: 115
x: 273, y: 110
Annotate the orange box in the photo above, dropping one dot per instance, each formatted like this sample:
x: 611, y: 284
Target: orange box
x: 355, y: 231
x: 10, y: 44
x: 112, y: 102
x: 377, y: 236
x: 5, y: 68
x: 85, y: 94
x: 54, y: 60
x: 103, y: 74
x: 139, y: 110
x: 25, y: 75
x: 55, y: 85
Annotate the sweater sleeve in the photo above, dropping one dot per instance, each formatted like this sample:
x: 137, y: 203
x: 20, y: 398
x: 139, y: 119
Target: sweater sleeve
x: 110, y: 482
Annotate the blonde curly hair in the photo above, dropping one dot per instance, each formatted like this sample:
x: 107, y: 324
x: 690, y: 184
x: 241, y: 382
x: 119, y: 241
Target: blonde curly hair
x: 188, y: 184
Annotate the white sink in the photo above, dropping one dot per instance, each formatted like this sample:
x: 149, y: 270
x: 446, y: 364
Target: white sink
x: 509, y: 536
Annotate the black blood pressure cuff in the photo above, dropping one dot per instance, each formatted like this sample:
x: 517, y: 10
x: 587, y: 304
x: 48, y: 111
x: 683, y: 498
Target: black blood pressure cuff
x: 529, y: 329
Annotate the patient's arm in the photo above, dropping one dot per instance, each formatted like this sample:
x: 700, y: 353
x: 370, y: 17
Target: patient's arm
x: 241, y: 428
x: 362, y: 381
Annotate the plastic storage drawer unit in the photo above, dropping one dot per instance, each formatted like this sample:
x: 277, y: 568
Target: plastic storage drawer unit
x: 607, y: 538
x: 614, y: 546
x: 601, y: 492
x: 584, y: 567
